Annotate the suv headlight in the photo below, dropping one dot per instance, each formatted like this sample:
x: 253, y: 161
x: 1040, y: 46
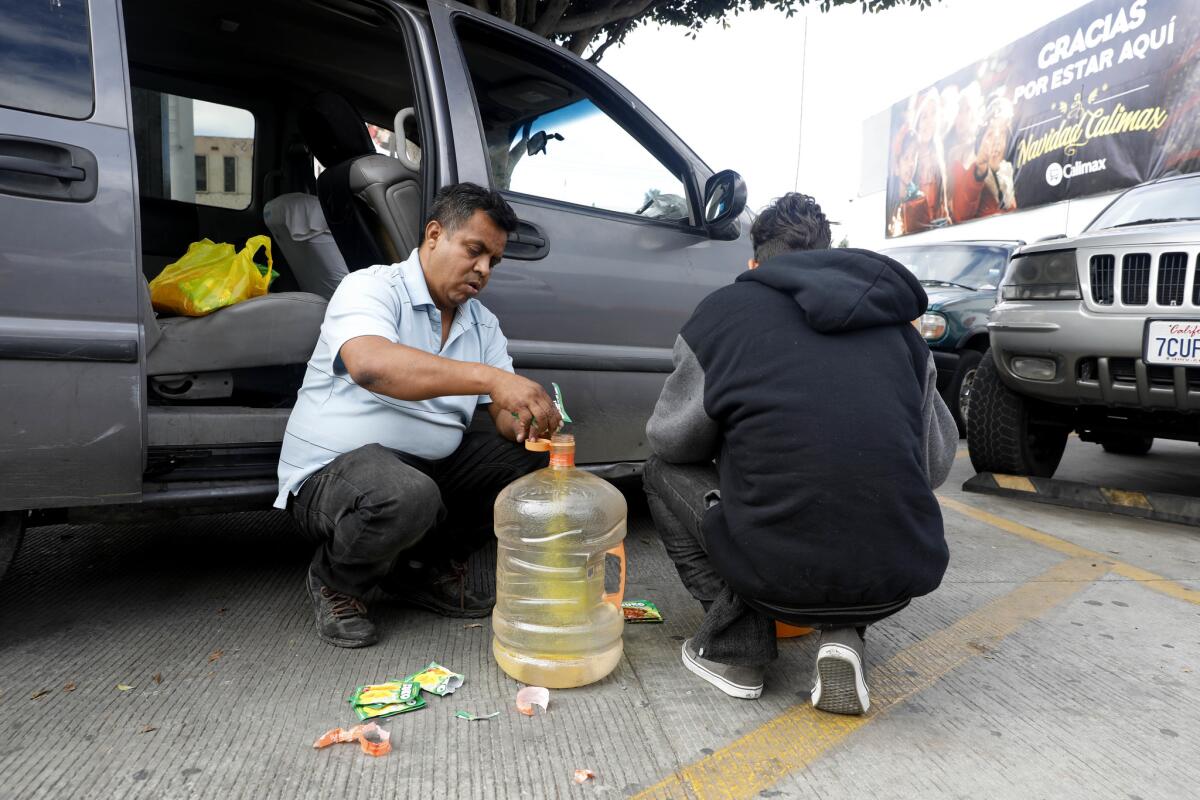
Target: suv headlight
x: 1042, y: 276
x: 933, y: 326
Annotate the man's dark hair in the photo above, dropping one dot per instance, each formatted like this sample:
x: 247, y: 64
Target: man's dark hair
x: 453, y: 205
x: 793, y: 222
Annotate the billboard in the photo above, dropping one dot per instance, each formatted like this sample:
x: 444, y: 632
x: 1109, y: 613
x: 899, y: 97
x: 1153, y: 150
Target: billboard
x: 1098, y: 100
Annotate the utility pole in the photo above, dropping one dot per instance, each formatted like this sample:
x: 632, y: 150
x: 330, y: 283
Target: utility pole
x: 803, y: 79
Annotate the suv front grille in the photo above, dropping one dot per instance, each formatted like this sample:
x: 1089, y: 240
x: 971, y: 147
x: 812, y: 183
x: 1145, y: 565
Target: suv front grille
x: 1147, y: 281
x: 1102, y: 269
x: 1135, y: 279
x: 1172, y: 275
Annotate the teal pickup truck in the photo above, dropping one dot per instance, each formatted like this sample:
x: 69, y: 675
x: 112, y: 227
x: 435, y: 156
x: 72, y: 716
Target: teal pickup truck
x: 960, y: 279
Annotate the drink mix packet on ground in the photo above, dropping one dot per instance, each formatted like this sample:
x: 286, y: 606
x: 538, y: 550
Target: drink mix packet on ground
x: 641, y: 611
x: 387, y: 709
x: 386, y: 692
x: 385, y: 699
x: 436, y: 679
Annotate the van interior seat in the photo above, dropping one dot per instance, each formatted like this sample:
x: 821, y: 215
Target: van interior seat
x: 299, y: 230
x: 371, y: 201
x: 271, y: 330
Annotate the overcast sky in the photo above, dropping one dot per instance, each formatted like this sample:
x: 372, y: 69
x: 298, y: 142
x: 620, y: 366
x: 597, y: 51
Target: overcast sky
x: 735, y: 94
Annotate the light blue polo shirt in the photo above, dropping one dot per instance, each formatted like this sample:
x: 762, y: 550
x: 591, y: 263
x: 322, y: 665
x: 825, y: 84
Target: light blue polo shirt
x: 334, y: 415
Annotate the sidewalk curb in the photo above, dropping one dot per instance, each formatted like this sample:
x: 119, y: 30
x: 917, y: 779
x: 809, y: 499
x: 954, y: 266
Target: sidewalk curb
x: 1160, y: 506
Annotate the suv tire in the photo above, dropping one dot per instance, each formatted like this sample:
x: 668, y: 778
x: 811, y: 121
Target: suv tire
x: 1000, y: 435
x: 960, y: 386
x: 1127, y: 444
x: 12, y: 528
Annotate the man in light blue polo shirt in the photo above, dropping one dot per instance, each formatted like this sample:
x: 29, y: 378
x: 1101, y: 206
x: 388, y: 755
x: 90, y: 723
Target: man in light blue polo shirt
x: 377, y: 467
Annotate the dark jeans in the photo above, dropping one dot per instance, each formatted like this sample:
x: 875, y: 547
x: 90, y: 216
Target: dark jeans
x: 732, y: 631
x: 367, y: 507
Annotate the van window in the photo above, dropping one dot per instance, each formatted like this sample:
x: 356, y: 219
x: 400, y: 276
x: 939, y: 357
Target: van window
x: 193, y: 151
x: 546, y: 137
x: 46, y: 57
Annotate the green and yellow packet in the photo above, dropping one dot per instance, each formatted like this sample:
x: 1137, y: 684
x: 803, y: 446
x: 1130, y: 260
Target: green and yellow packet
x: 385, y: 699
x: 436, y: 679
x: 641, y: 611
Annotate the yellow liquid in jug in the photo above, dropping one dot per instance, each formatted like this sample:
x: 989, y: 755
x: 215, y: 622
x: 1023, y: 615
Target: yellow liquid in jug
x: 552, y: 626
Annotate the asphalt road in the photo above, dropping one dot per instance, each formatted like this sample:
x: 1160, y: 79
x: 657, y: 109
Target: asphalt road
x: 1058, y: 659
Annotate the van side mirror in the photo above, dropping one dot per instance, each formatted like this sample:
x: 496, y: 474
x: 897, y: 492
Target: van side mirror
x: 537, y: 142
x: 724, y: 201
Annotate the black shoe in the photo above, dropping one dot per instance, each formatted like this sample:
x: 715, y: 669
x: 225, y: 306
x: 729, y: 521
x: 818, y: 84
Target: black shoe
x: 341, y: 619
x: 443, y: 591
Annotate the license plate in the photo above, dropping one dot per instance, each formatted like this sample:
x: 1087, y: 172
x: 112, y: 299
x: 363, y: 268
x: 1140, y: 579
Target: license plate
x: 1173, y: 342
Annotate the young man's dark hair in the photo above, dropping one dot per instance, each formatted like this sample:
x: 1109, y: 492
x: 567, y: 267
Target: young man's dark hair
x: 455, y: 204
x: 796, y: 446
x: 792, y: 222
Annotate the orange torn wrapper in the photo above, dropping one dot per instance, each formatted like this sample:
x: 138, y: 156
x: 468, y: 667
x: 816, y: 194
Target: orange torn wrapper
x: 374, y: 740
x: 531, y: 696
x: 584, y: 775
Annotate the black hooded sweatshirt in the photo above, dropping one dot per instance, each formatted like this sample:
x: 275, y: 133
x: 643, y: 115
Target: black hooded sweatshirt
x: 818, y: 400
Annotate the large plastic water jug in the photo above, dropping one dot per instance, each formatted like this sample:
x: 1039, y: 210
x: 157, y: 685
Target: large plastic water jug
x: 559, y: 529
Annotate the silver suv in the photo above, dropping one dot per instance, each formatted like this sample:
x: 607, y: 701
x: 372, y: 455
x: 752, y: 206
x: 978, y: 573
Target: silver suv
x: 1098, y: 334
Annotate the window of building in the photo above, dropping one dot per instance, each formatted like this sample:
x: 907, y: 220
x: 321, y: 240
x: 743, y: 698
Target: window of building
x: 176, y: 138
x: 46, y: 57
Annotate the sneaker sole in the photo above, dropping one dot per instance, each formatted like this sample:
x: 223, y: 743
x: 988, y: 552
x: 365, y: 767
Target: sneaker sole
x: 840, y: 688
x: 726, y: 686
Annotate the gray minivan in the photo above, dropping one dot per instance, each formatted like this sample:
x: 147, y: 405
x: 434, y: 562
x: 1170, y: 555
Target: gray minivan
x: 129, y: 130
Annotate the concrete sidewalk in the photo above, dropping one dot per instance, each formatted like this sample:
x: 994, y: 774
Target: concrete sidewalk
x: 1037, y: 670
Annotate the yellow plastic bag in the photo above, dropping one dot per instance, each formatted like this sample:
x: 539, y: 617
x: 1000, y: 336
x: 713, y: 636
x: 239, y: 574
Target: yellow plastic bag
x: 211, y: 276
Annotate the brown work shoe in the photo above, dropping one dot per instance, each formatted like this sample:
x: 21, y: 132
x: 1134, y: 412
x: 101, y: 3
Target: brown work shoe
x: 341, y: 619
x: 443, y: 590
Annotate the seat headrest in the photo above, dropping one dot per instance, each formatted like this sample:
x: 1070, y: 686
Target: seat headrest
x: 333, y: 130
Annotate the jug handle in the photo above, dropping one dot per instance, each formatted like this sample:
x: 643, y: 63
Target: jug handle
x: 616, y: 597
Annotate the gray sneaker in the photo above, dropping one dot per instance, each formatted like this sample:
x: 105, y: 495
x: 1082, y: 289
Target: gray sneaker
x: 743, y: 682
x: 841, y: 673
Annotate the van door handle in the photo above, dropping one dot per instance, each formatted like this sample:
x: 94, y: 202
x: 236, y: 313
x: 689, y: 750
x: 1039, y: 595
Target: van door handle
x: 526, y: 243
x: 35, y: 166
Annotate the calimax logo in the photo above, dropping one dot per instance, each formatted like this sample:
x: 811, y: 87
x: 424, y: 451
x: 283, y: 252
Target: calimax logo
x: 1056, y: 172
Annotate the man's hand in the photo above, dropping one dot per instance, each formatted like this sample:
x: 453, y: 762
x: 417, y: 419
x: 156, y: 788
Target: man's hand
x: 535, y: 414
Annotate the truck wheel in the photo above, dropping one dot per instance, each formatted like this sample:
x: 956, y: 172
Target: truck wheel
x: 1127, y: 444
x: 12, y: 527
x: 958, y: 391
x: 1001, y: 435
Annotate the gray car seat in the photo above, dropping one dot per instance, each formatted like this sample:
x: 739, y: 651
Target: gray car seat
x: 301, y: 233
x: 372, y: 202
x: 272, y: 330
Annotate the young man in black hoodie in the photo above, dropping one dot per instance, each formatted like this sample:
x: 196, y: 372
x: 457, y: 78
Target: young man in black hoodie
x: 807, y: 384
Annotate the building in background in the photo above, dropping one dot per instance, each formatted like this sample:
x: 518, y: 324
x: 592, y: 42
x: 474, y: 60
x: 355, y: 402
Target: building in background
x: 224, y: 171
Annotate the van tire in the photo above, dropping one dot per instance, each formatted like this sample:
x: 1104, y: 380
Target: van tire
x: 1001, y: 435
x: 1127, y: 444
x: 12, y: 528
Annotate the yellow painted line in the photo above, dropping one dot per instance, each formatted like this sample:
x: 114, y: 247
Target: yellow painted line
x: 802, y: 734
x: 1121, y: 497
x: 962, y: 454
x: 1148, y: 579
x: 1017, y: 483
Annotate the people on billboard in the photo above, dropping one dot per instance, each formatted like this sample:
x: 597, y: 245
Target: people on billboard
x: 982, y: 185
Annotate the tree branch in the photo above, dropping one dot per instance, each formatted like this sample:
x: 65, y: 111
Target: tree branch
x: 550, y: 17
x: 604, y: 16
x: 581, y: 39
x: 613, y: 37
